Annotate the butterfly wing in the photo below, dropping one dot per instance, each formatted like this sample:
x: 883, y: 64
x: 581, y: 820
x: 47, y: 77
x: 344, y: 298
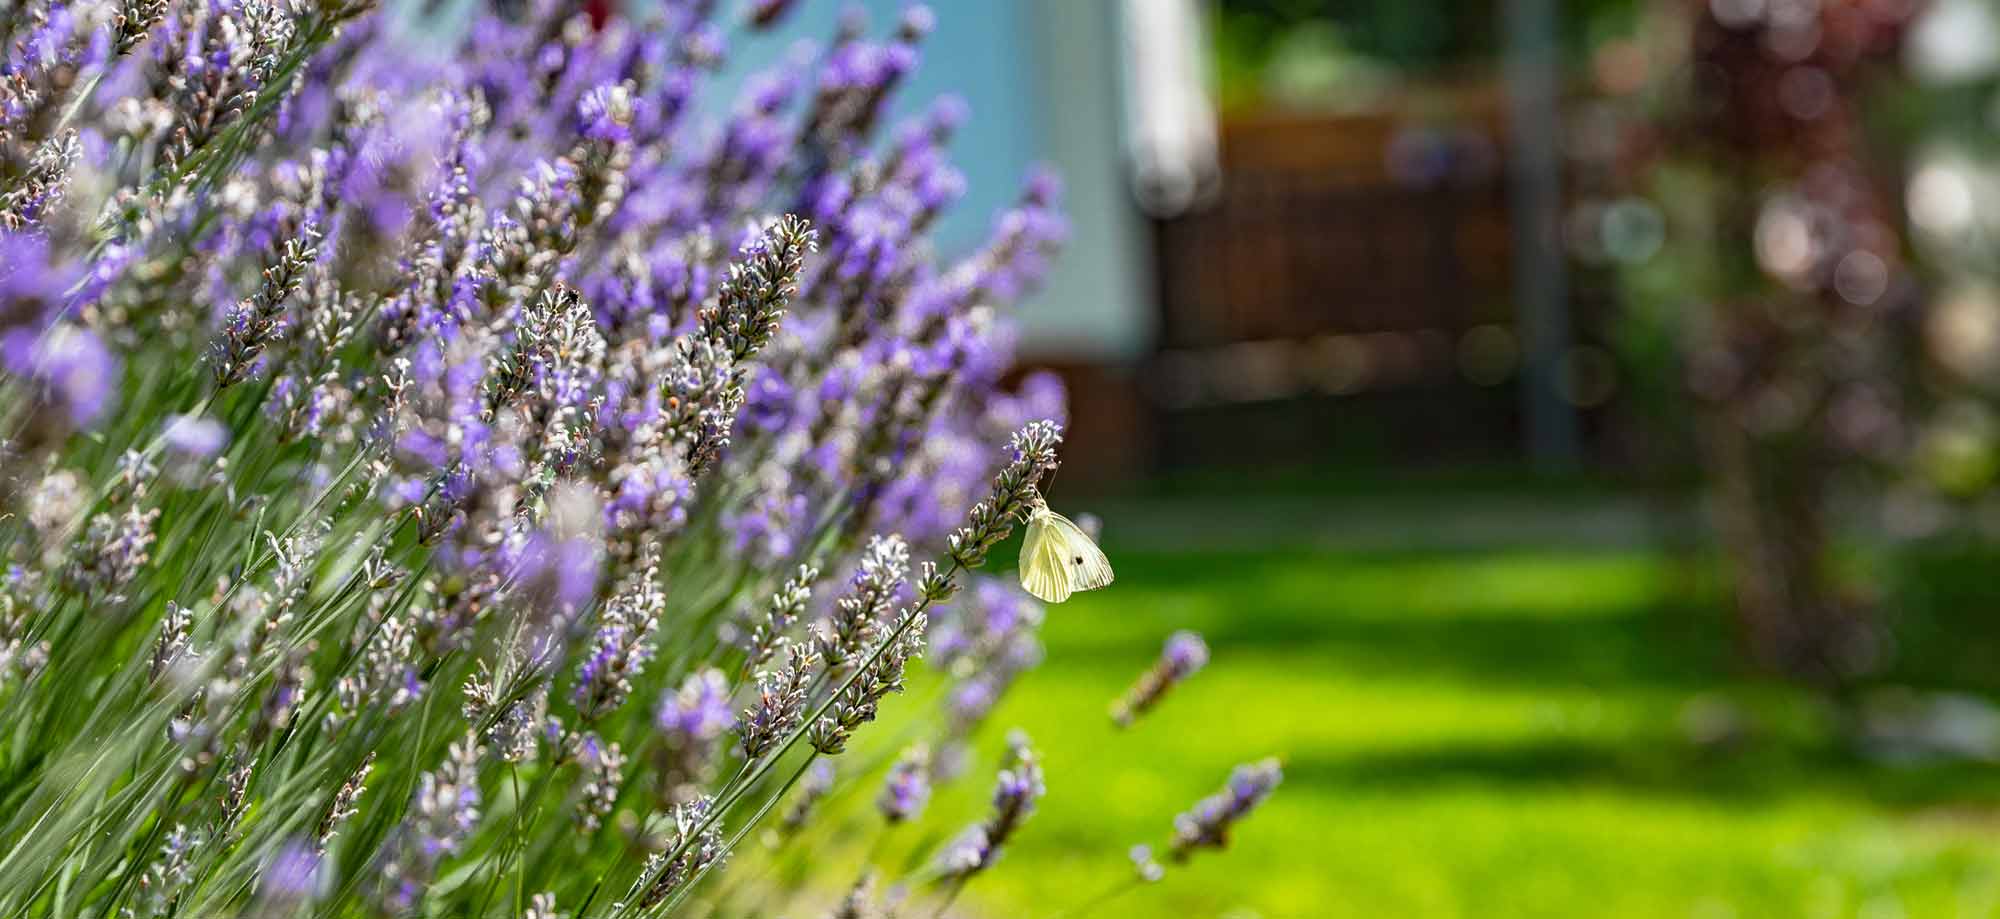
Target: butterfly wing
x: 1087, y: 567
x: 1042, y: 570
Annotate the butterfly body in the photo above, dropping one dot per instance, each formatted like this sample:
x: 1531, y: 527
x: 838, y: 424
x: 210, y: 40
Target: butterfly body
x: 1058, y: 558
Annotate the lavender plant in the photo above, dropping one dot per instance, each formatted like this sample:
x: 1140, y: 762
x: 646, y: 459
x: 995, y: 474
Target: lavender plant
x: 458, y: 472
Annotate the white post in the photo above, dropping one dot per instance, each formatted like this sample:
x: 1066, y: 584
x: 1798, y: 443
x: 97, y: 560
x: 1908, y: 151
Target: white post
x: 1534, y: 169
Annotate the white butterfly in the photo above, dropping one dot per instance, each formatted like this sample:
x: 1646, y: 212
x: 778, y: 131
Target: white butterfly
x: 1058, y: 558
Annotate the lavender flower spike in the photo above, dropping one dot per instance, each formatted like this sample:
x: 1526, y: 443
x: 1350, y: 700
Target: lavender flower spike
x: 909, y: 786
x: 989, y: 521
x: 761, y: 282
x: 781, y: 702
x: 1184, y: 654
x: 1207, y: 825
x: 700, y: 845
x: 256, y: 320
x: 1020, y: 786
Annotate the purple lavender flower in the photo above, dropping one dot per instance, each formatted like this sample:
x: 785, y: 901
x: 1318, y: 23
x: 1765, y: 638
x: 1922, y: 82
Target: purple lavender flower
x: 908, y: 787
x: 864, y: 613
x: 1184, y: 654
x: 607, y: 113
x: 1144, y: 866
x: 986, y: 623
x: 442, y: 815
x: 693, y: 724
x: 557, y: 573
x: 292, y: 877
x: 781, y: 700
x: 516, y: 315
x: 1207, y: 824
x: 699, y: 849
x: 254, y: 322
x: 194, y: 437
x: 619, y: 649
x: 699, y: 709
x: 1014, y: 796
x: 70, y: 366
x: 857, y: 702
x: 603, y: 773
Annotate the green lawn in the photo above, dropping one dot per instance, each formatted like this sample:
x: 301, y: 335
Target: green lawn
x: 1492, y: 731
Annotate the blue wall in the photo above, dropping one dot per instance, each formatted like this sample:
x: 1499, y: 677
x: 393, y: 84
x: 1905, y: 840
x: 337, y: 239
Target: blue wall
x: 1041, y: 80
x: 980, y: 50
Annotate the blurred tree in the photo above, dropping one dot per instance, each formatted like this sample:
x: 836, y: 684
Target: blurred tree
x: 1783, y: 281
x: 1279, y: 51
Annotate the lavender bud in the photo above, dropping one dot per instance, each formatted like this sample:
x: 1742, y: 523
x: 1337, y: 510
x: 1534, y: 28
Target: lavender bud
x: 860, y: 900
x: 1144, y: 867
x: 387, y: 675
x: 343, y: 804
x: 542, y: 906
x: 1184, y: 654
x: 175, y: 628
x: 442, y: 815
x: 619, y: 649
x: 1014, y: 796
x: 603, y: 771
x: 761, y: 282
x: 554, y: 338
x: 1014, y: 492
x: 1207, y: 824
x: 660, y: 879
x: 606, y: 113
x: 781, y: 700
x: 235, y: 794
x: 168, y: 873
x: 135, y: 19
x: 699, y: 394
x: 857, y: 703
x: 116, y: 546
x: 908, y: 787
x: 42, y: 185
x: 787, y: 602
x: 254, y: 321
x: 860, y: 617
x: 515, y: 736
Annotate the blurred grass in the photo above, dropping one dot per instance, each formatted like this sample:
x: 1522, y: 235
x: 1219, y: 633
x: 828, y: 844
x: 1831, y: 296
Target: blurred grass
x: 1479, y: 727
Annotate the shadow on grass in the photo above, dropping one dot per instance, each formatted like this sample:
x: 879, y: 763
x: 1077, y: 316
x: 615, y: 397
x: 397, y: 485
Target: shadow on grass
x: 1307, y: 608
x: 1654, y: 650
x: 1945, y: 618
x: 1943, y: 609
x: 1758, y: 772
